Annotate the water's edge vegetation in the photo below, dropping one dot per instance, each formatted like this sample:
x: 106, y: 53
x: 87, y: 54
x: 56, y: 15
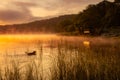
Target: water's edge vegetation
x: 97, y: 60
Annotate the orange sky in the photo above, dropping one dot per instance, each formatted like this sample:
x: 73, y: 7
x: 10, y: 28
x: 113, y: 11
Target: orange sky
x: 21, y: 11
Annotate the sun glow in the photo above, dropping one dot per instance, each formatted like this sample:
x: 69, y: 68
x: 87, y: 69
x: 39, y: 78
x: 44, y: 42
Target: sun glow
x: 26, y: 37
x: 40, y: 12
x: 86, y: 43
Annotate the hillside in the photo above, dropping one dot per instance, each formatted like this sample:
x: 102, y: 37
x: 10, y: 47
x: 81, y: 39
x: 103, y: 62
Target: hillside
x: 43, y: 26
x: 100, y: 18
x: 97, y: 19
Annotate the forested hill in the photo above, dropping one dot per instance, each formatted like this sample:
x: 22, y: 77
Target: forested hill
x: 98, y: 19
x: 52, y: 25
x: 103, y: 17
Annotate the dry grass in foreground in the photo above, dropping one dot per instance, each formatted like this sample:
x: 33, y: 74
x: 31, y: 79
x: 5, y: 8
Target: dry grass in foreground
x: 73, y: 60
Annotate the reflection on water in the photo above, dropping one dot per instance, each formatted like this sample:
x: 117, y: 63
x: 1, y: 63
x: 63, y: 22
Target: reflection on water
x: 16, y: 45
x: 86, y: 43
x: 13, y: 47
x: 52, y: 50
x: 13, y: 43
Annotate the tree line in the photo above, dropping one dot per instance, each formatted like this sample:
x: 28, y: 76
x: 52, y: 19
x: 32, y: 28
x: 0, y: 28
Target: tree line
x: 96, y: 18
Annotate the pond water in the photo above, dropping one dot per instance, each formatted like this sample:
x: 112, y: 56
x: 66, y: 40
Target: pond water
x: 14, y: 47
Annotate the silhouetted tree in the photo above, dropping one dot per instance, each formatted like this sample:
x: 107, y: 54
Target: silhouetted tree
x: 117, y: 1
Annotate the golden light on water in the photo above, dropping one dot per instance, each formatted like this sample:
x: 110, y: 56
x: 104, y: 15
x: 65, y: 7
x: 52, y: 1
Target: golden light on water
x: 86, y: 43
x: 28, y: 37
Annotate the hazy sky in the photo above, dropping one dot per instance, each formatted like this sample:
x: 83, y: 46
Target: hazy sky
x: 21, y: 11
